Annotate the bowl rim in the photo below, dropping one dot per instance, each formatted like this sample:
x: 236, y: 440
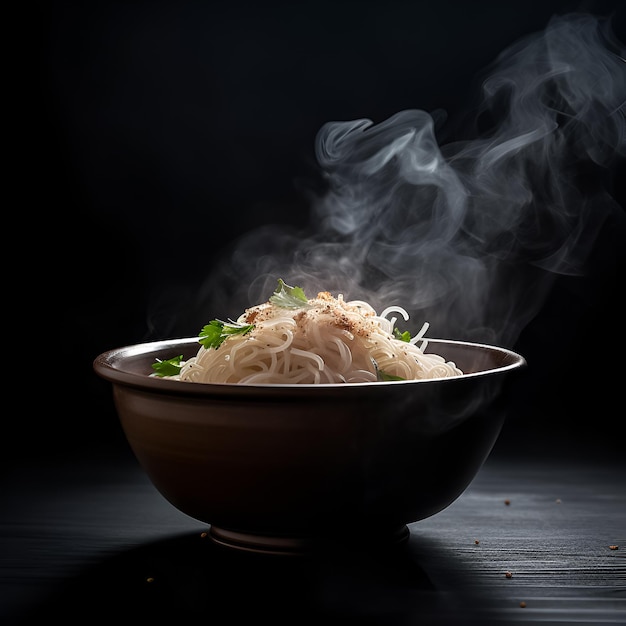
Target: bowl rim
x: 107, y: 366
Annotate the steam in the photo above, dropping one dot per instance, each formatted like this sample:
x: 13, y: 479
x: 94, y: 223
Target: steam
x: 466, y: 229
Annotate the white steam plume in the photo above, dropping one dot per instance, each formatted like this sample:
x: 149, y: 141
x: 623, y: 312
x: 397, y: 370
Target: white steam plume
x: 467, y: 234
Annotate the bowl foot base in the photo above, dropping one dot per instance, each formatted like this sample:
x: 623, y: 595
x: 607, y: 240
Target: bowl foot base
x: 299, y: 546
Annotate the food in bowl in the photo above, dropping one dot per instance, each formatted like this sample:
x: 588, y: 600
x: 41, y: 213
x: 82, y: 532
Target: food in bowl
x: 283, y: 468
x: 295, y: 339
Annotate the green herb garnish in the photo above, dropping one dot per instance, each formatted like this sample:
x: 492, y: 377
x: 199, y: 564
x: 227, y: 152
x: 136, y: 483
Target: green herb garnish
x: 288, y: 297
x: 168, y: 367
x: 381, y: 375
x: 216, y: 332
x: 405, y: 336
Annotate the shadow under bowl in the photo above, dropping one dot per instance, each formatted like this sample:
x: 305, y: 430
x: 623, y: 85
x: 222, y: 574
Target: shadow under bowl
x: 284, y: 468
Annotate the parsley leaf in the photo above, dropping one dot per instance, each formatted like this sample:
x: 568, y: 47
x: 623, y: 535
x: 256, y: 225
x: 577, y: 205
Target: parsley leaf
x: 405, y: 336
x: 168, y: 367
x: 381, y: 375
x: 288, y: 297
x: 216, y: 332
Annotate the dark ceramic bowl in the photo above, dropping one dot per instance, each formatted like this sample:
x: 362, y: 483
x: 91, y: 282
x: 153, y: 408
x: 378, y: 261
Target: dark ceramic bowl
x: 281, y: 468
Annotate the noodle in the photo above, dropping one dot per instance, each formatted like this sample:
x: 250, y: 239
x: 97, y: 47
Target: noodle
x: 325, y: 340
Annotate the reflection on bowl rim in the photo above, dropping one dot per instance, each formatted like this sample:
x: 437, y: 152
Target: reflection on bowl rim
x: 105, y: 365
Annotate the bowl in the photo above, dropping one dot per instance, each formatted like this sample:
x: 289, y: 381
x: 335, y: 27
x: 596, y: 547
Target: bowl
x: 286, y: 469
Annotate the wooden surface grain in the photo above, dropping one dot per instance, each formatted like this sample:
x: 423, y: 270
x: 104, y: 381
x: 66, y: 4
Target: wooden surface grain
x: 529, y: 542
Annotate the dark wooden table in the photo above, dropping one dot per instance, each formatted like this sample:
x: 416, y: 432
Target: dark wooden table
x: 533, y: 540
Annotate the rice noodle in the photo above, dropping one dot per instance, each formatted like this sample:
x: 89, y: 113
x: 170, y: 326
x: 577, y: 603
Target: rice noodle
x: 328, y: 341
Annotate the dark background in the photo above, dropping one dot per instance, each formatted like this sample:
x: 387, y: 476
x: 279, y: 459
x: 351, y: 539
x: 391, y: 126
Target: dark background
x: 163, y: 129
